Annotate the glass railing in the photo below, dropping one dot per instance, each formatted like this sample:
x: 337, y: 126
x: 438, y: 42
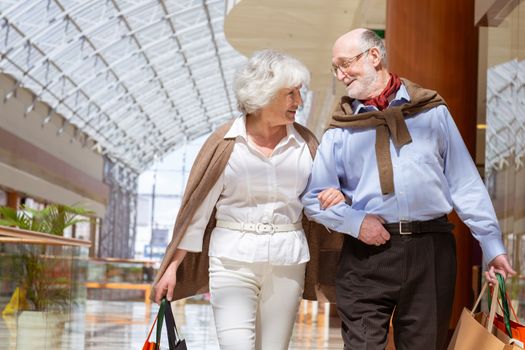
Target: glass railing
x: 113, y: 279
x: 42, y: 289
x: 114, y: 270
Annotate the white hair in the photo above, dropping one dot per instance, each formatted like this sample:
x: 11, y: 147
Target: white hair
x: 370, y: 39
x: 257, y: 82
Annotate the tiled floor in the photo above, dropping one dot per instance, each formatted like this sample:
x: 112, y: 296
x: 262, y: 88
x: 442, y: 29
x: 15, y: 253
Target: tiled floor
x: 116, y: 325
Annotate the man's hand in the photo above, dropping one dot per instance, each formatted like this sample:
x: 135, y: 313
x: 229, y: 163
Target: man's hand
x: 372, y: 231
x: 499, y: 264
x: 330, y: 197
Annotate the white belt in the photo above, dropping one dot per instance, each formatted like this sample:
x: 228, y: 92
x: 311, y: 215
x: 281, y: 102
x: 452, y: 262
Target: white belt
x: 258, y: 227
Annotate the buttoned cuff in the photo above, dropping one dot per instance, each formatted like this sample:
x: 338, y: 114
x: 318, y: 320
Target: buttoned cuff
x: 492, y: 247
x: 353, y: 220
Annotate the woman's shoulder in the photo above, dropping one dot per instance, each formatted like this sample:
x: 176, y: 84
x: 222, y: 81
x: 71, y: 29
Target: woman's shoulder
x: 214, y: 141
x: 224, y: 128
x: 218, y: 134
x: 305, y: 133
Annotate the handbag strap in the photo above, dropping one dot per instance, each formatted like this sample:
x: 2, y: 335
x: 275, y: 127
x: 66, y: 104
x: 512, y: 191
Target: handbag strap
x: 173, y: 334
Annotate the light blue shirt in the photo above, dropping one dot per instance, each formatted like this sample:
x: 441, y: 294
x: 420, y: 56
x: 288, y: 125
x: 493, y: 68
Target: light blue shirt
x: 432, y: 174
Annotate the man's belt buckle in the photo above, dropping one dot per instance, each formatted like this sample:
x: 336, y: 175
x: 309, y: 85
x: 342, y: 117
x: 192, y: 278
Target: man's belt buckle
x: 264, y: 228
x: 401, y: 232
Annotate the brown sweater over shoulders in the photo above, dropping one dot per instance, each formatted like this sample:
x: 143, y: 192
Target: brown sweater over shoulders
x: 389, y: 123
x: 192, y: 274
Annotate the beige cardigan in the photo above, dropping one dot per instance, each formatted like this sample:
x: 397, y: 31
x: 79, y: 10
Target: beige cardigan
x: 192, y: 274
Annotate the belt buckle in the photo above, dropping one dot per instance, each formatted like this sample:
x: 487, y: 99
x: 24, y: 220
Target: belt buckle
x: 264, y: 228
x: 401, y: 232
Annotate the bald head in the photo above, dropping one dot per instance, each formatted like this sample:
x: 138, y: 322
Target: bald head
x: 359, y: 40
x: 352, y: 39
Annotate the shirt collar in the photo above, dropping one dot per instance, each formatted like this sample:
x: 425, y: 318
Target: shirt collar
x: 238, y: 129
x: 401, y: 97
x: 292, y: 134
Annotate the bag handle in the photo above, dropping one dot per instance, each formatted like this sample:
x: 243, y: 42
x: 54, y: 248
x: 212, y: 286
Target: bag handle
x: 480, y: 296
x: 160, y: 322
x: 173, y: 333
x: 512, y: 308
x: 165, y: 312
x: 504, y: 305
x: 150, y: 331
x: 492, y: 307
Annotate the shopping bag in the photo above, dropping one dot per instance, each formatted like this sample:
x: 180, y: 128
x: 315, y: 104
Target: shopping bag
x: 477, y: 331
x: 174, y: 340
x: 503, y: 322
x: 517, y: 329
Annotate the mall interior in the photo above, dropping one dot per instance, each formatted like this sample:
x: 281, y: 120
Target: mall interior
x: 104, y: 105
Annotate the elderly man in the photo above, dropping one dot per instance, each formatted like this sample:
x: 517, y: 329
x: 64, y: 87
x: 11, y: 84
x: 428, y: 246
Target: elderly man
x: 395, y: 152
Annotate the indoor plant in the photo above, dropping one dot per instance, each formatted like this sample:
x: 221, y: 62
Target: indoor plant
x: 43, y: 280
x: 54, y: 218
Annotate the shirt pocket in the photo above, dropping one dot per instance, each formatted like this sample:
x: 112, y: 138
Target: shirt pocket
x: 423, y: 148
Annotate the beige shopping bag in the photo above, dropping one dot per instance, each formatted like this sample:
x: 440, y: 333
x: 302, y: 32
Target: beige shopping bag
x: 476, y: 331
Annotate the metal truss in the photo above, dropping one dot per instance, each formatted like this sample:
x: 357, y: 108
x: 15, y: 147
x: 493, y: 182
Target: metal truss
x: 118, y: 228
x: 137, y: 78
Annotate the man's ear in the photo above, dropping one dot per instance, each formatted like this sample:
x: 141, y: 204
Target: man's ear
x: 375, y: 55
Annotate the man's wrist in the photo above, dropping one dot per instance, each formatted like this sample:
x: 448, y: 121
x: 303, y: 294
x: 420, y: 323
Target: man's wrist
x: 353, y: 221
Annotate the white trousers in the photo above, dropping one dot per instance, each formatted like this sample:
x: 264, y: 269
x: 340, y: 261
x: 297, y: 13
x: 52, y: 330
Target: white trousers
x: 254, y: 304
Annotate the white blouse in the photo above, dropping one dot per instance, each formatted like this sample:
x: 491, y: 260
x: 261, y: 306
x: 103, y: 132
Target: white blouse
x: 256, y: 189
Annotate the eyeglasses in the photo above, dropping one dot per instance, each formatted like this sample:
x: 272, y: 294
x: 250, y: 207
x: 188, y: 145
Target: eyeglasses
x: 347, y: 63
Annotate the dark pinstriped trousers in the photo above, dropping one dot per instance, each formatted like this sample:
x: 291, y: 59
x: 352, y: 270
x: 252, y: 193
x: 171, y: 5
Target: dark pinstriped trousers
x: 411, y: 276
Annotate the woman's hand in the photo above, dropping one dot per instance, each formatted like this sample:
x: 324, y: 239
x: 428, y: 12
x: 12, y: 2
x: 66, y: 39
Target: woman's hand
x: 330, y: 197
x: 167, y: 282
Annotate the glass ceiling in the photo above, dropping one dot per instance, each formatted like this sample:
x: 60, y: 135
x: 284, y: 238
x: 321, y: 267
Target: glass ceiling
x: 137, y: 77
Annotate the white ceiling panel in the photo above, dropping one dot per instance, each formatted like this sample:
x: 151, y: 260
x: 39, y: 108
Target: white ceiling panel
x: 137, y: 76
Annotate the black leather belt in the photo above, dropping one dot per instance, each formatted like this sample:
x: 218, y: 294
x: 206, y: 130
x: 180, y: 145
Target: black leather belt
x: 440, y: 224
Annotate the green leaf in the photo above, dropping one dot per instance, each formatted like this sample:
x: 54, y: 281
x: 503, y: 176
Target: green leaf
x: 37, y: 273
x: 54, y: 218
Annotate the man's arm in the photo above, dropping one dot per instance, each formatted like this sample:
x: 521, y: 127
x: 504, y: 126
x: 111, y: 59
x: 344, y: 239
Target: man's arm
x: 326, y: 173
x: 471, y: 199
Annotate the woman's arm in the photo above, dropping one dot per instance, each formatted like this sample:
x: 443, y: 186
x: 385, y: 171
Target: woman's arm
x: 190, y: 242
x: 168, y: 280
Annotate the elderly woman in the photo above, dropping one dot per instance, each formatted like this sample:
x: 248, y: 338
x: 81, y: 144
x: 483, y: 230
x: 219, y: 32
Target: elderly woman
x: 242, y: 211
